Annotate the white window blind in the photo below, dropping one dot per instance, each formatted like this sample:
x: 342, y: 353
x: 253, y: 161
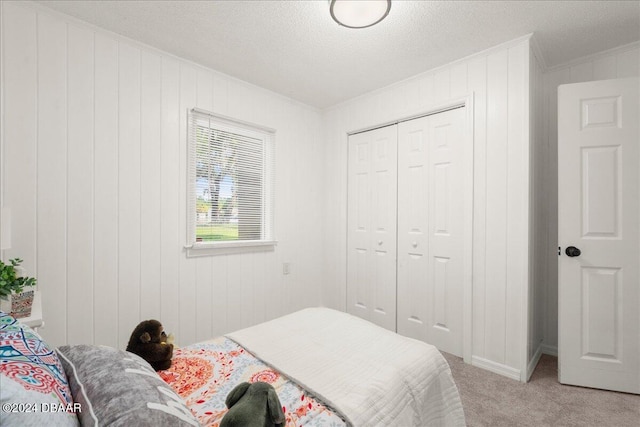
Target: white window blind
x: 231, y: 197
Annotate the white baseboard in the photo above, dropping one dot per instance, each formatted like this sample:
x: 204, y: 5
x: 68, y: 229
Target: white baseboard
x: 534, y: 362
x: 497, y: 368
x: 551, y: 350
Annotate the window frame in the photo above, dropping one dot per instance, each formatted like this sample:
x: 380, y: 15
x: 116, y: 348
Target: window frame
x: 267, y: 135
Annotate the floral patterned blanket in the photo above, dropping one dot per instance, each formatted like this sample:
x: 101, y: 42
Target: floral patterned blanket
x: 203, y: 374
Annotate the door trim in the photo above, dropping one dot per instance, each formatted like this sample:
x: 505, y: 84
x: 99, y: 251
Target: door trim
x: 452, y: 104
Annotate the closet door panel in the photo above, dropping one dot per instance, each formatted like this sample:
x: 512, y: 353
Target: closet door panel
x: 413, y: 236
x: 359, y: 226
x: 384, y: 226
x: 446, y: 240
x: 430, y: 229
x: 371, y: 263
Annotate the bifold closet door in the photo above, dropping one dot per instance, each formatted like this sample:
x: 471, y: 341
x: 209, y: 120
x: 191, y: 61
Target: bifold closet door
x: 371, y: 226
x: 430, y: 229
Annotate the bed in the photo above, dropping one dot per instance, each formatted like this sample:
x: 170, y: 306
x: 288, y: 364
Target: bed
x: 329, y: 369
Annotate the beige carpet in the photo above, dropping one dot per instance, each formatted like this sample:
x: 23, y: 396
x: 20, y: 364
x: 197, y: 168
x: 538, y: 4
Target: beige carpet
x: 493, y: 400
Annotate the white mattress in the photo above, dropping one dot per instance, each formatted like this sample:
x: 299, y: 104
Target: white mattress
x: 371, y: 376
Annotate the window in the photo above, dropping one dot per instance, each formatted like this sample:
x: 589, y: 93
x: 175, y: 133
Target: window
x: 231, y: 167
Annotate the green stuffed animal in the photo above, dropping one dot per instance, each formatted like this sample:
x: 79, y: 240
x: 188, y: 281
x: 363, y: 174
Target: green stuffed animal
x: 253, y: 405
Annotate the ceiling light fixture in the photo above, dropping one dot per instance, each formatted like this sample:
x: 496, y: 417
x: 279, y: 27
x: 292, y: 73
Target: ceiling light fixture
x: 359, y: 13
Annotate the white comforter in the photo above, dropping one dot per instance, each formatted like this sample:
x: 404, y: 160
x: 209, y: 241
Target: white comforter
x: 372, y: 376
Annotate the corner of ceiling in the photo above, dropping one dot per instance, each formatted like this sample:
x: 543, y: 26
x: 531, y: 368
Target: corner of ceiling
x: 537, y: 52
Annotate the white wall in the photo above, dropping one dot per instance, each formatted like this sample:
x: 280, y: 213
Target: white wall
x: 539, y: 219
x: 616, y: 63
x: 94, y: 172
x: 499, y: 81
x: 93, y: 169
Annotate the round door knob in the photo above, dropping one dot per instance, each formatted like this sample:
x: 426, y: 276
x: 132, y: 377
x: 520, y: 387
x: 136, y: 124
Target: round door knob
x: 379, y: 242
x: 572, y: 251
x: 414, y: 244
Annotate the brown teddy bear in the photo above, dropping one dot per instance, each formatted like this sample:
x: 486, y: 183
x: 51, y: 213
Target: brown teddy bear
x: 149, y: 341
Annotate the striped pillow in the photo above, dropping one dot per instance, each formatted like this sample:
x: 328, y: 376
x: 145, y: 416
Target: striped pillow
x: 118, y: 388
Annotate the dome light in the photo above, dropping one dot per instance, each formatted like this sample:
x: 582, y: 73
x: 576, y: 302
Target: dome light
x: 359, y: 13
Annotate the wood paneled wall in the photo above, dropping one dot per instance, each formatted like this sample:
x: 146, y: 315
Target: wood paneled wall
x: 94, y: 172
x: 613, y: 64
x: 93, y: 168
x: 541, y: 244
x: 499, y: 82
x: 515, y: 306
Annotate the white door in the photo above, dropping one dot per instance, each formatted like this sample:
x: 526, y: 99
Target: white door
x: 598, y: 221
x: 430, y: 229
x: 371, y: 226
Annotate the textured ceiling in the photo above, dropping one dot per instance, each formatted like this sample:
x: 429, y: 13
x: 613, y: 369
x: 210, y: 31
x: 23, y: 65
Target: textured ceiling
x: 294, y: 48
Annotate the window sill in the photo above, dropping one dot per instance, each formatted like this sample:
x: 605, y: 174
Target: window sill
x: 226, y: 248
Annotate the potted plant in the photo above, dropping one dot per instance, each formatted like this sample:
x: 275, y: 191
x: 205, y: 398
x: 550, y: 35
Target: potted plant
x: 12, y: 284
